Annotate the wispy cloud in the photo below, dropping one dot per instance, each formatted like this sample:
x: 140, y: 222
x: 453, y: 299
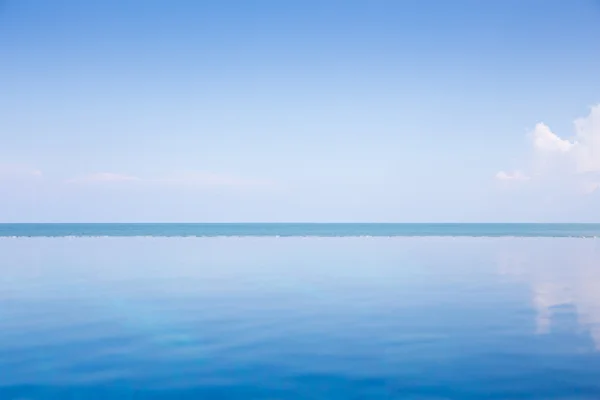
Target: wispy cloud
x: 590, y: 187
x: 104, y: 177
x: 190, y: 178
x: 573, y: 160
x: 511, y: 176
x: 14, y: 171
x: 195, y: 178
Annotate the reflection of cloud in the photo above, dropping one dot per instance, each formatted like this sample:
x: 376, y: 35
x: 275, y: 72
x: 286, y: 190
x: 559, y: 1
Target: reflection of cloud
x: 547, y: 295
x: 588, y: 300
x: 560, y: 272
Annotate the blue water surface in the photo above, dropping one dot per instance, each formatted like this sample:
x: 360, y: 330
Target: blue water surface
x: 299, y: 318
x: 301, y: 229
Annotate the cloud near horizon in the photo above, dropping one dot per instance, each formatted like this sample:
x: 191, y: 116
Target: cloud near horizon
x: 511, y: 176
x: 210, y: 179
x: 564, y: 161
x: 186, y: 178
x: 13, y: 171
x: 104, y: 177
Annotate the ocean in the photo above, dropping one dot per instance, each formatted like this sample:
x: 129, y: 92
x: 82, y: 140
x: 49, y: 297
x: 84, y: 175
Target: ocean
x: 301, y: 229
x: 299, y: 311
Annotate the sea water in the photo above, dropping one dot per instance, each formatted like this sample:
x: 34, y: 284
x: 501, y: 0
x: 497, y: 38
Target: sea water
x: 302, y: 229
x: 247, y: 316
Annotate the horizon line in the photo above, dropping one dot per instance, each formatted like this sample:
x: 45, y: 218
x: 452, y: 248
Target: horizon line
x: 298, y: 223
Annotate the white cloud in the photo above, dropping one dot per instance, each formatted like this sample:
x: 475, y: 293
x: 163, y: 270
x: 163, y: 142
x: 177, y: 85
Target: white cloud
x: 511, y: 176
x: 545, y: 140
x: 588, y: 141
x: 573, y: 161
x: 13, y: 171
x: 104, y: 177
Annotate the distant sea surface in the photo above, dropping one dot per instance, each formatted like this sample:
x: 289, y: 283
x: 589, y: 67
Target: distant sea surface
x: 332, y: 311
x: 302, y: 229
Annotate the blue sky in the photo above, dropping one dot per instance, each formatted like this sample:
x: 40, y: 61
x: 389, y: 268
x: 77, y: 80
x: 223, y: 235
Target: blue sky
x: 306, y: 110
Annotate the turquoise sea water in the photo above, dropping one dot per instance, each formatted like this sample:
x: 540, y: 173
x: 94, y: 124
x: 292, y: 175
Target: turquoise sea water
x: 302, y: 229
x: 301, y: 317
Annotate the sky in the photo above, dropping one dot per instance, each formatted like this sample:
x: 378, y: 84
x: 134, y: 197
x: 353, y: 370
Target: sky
x: 303, y: 110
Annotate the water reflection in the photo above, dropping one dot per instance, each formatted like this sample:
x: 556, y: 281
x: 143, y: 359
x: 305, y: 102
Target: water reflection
x: 563, y: 276
x: 299, y: 318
